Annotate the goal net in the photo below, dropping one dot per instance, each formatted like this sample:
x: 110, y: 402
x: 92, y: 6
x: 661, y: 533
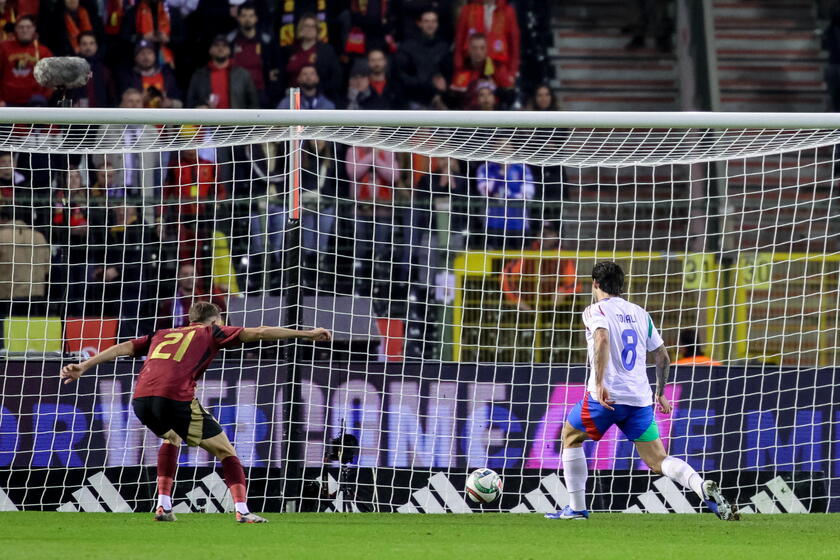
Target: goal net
x: 450, y: 255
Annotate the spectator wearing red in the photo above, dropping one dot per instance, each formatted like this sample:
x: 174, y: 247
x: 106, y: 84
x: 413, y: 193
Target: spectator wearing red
x: 18, y: 58
x: 496, y: 20
x: 156, y: 81
x: 61, y: 28
x: 100, y: 90
x: 370, y: 28
x: 422, y: 62
x: 374, y: 174
x: 478, y: 69
x: 27, y: 7
x: 220, y: 84
x: 192, y: 184
x: 114, y: 14
x: 307, y: 50
x: 70, y: 204
x: 256, y: 52
x: 192, y: 188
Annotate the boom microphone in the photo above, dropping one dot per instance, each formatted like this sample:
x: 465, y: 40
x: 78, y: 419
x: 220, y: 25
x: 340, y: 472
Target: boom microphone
x: 62, y: 71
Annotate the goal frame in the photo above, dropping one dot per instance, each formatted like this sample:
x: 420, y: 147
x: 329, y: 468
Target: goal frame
x: 291, y: 122
x: 472, y: 119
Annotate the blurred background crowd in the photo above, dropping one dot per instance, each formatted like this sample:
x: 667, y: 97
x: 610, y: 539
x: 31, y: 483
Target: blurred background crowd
x: 138, y: 236
x: 366, y: 54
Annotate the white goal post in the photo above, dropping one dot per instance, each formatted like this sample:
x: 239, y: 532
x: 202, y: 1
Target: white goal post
x: 450, y: 254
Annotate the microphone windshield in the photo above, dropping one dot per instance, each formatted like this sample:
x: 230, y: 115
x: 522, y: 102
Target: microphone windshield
x: 62, y: 71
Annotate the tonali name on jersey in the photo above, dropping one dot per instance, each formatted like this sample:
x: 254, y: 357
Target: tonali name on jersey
x: 632, y: 336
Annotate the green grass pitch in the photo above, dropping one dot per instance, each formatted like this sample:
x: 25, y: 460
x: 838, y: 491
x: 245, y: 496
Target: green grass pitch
x: 115, y: 536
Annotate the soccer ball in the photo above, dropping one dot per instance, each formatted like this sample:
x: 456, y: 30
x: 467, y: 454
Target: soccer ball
x: 484, y: 486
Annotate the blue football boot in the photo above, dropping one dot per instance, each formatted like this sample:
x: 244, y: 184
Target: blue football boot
x: 568, y: 513
x: 715, y: 501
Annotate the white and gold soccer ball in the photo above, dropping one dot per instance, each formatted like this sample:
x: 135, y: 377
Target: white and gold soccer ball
x: 484, y: 486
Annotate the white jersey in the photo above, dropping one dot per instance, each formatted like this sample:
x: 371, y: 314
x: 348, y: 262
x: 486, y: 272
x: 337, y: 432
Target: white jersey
x: 632, y: 335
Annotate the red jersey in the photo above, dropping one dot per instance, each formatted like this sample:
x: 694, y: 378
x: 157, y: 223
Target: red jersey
x: 177, y: 358
x: 17, y: 62
x: 247, y: 53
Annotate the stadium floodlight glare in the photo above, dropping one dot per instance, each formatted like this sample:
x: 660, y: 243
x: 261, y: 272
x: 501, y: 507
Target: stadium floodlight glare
x: 450, y: 255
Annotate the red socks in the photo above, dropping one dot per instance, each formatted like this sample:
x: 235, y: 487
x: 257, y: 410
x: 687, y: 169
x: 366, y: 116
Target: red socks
x: 167, y: 462
x: 231, y: 467
x: 234, y: 478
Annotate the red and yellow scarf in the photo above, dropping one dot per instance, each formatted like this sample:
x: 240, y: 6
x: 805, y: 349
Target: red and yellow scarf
x: 74, y: 27
x: 287, y: 25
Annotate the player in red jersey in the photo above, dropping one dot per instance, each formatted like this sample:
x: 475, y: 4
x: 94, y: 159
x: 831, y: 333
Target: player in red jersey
x: 164, y: 395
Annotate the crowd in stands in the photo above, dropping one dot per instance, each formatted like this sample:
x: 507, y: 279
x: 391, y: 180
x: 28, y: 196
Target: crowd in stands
x: 398, y: 54
x: 139, y: 235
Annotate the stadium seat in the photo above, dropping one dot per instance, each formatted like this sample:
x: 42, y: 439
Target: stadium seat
x: 89, y: 335
x: 393, y: 339
x: 32, y: 334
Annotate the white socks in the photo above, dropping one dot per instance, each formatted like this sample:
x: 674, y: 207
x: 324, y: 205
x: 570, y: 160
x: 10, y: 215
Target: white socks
x: 680, y: 471
x: 165, y: 502
x: 575, y: 473
x: 241, y: 507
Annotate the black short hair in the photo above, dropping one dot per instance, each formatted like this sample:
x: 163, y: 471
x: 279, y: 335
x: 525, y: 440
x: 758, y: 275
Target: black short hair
x: 689, y: 341
x: 609, y: 276
x: 246, y: 6
x: 87, y: 34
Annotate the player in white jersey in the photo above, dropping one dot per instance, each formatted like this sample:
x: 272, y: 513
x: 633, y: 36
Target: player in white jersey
x: 619, y: 334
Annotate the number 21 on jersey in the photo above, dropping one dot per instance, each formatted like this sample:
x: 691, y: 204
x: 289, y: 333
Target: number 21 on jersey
x: 170, y: 339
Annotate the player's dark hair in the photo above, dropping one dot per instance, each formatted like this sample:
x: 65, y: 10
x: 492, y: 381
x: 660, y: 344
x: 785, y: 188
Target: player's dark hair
x: 609, y: 276
x: 688, y: 340
x: 307, y: 15
x: 202, y: 311
x: 246, y: 6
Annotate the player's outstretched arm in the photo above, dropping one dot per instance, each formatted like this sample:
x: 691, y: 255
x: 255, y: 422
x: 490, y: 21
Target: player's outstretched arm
x: 663, y: 366
x: 72, y: 372
x: 254, y: 334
